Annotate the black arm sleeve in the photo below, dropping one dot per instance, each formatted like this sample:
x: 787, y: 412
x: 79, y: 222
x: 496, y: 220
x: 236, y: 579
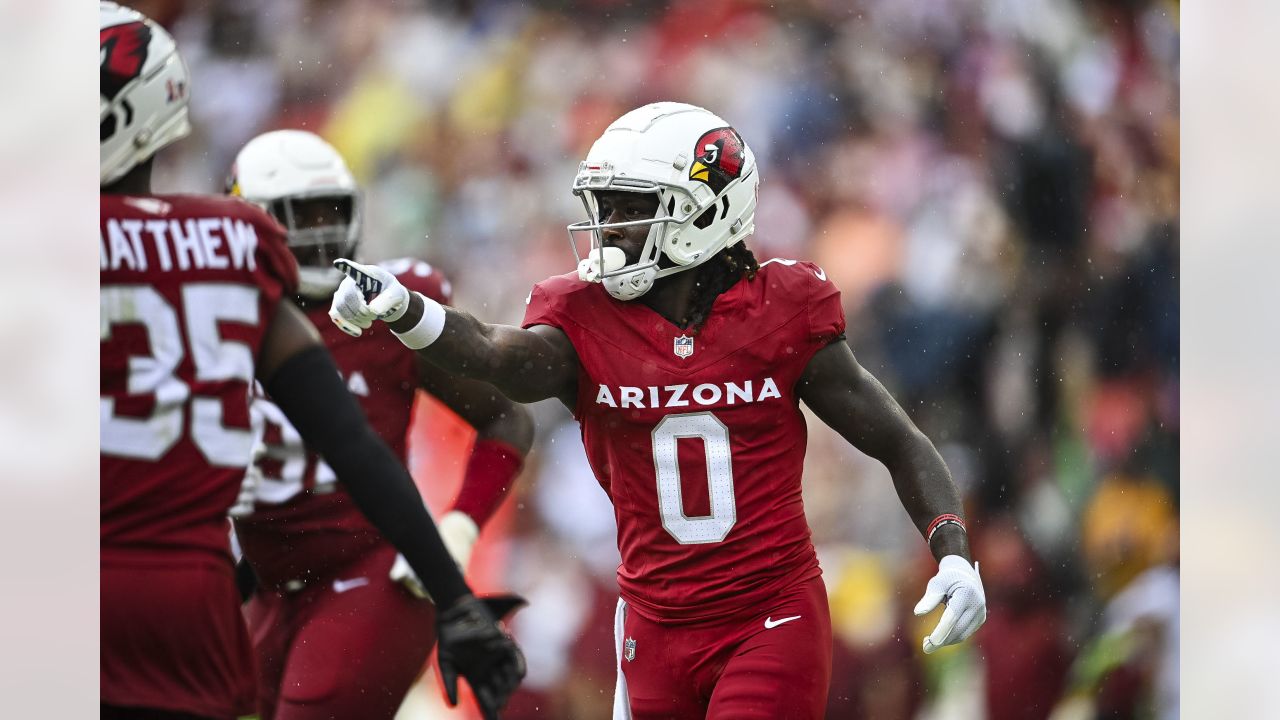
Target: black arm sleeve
x: 309, y: 389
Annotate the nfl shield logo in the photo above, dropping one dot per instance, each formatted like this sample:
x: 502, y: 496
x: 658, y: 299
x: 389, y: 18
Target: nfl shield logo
x: 629, y: 649
x: 684, y: 346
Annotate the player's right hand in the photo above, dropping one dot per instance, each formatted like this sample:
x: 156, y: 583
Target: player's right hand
x: 349, y: 311
x: 352, y: 309
x: 472, y: 644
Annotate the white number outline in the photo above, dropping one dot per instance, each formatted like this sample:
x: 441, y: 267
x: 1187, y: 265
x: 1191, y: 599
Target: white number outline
x: 292, y: 455
x: 704, y: 529
x: 215, y: 359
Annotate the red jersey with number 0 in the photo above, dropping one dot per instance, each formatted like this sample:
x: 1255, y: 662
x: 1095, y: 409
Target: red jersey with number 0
x: 304, y: 523
x: 699, y: 439
x: 189, y: 285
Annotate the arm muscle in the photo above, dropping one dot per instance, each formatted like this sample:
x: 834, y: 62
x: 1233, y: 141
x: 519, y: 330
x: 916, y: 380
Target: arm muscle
x: 526, y: 365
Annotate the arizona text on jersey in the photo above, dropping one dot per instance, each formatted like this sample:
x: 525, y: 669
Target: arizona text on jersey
x: 699, y: 441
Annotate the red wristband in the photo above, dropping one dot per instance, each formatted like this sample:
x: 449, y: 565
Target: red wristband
x: 488, y: 479
x: 944, y: 519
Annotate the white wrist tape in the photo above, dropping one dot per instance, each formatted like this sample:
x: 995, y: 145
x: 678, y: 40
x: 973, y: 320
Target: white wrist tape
x: 428, y: 328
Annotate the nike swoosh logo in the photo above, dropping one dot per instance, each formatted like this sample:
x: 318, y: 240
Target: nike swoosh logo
x: 822, y: 274
x: 770, y: 623
x: 341, y: 586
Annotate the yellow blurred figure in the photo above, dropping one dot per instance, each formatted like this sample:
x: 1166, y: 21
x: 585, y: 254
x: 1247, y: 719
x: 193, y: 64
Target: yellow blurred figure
x: 1129, y: 525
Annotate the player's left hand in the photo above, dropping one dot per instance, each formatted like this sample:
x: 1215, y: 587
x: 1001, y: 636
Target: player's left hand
x: 959, y: 586
x: 459, y: 533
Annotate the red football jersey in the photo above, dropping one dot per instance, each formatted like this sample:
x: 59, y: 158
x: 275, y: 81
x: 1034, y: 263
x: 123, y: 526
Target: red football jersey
x: 188, y: 287
x: 189, y: 284
x: 304, y: 523
x: 699, y: 439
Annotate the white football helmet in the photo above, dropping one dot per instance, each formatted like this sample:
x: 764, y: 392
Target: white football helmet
x: 705, y: 178
x: 143, y: 90
x: 284, y: 171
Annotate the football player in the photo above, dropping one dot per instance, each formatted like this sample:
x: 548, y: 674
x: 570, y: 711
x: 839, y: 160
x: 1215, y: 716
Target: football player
x: 194, y: 307
x: 327, y: 589
x: 685, y: 361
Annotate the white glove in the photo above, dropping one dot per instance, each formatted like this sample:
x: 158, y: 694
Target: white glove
x: 351, y: 313
x: 459, y: 533
x: 960, y: 587
x: 403, y: 574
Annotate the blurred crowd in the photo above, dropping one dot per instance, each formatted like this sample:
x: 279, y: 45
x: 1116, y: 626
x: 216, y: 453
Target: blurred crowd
x: 992, y: 183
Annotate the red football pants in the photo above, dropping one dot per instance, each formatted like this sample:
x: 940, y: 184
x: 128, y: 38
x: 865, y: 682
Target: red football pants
x: 172, y: 636
x: 346, y: 646
x: 773, y: 663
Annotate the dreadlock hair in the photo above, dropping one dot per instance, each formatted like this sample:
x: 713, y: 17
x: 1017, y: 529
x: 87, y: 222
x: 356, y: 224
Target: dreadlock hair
x: 714, y: 277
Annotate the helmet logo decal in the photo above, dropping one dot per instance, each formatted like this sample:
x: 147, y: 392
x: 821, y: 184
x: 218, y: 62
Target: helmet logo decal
x: 718, y: 158
x: 122, y: 51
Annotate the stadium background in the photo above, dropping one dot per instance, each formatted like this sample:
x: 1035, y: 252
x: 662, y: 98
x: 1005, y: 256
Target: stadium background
x: 993, y: 184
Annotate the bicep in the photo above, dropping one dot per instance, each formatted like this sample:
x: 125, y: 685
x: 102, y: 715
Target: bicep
x: 532, y: 365
x: 551, y: 364
x: 847, y: 397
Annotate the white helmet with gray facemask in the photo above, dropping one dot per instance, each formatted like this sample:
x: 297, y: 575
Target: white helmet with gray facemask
x: 705, y: 179
x: 305, y: 184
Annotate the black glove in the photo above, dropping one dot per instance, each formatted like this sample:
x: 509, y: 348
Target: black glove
x: 472, y: 644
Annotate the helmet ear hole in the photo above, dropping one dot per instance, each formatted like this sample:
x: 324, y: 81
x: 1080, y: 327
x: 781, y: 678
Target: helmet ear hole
x: 706, y: 218
x: 107, y: 128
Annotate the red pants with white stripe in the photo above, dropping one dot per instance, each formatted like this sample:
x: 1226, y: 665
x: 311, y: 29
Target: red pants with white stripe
x: 772, y: 663
x: 346, y: 646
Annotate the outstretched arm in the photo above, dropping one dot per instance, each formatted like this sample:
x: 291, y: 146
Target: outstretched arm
x: 525, y: 365
x: 854, y: 403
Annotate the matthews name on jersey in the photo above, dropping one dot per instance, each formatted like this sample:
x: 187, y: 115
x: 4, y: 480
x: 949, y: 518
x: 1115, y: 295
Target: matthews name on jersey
x: 304, y: 524
x: 189, y: 285
x: 698, y: 437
